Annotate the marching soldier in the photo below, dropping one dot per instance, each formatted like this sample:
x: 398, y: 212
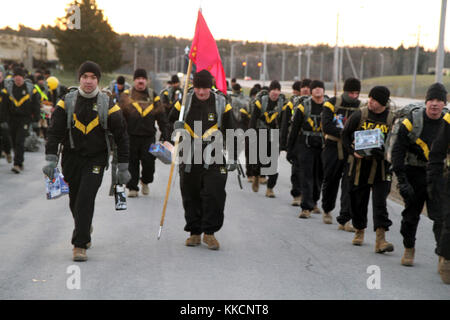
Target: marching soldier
x: 82, y: 122
x: 305, y: 144
x: 20, y: 109
x: 142, y: 108
x: 410, y: 156
x: 203, y: 184
x: 438, y: 176
x: 266, y: 116
x: 335, y: 113
x: 370, y: 173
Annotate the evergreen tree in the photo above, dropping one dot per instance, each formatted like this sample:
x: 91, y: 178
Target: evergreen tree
x: 94, y: 40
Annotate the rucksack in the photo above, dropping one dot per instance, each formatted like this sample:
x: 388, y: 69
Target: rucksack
x: 413, y: 111
x: 238, y: 102
x: 9, y: 83
x: 220, y: 100
x: 263, y: 97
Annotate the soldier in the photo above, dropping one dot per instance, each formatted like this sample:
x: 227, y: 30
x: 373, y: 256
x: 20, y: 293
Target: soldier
x: 439, y: 191
x: 305, y: 144
x: 266, y: 116
x: 116, y: 87
x: 203, y: 184
x: 300, y: 91
x: 372, y: 172
x: 20, y: 110
x: 335, y: 113
x: 410, y: 156
x: 141, y: 109
x: 5, y: 139
x: 81, y: 123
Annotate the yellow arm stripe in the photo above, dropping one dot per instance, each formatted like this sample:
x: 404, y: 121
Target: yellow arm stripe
x: 113, y: 109
x: 34, y: 91
x: 311, y: 123
x: 258, y: 104
x: 156, y: 99
x: 302, y: 108
x: 177, y: 106
x: 210, y: 131
x: 289, y: 104
x: 61, y: 104
x: 447, y: 118
x: 21, y: 101
x: 191, y: 132
x: 5, y: 91
x: 166, y: 93
x: 228, y: 108
x: 242, y: 110
x: 329, y: 106
x: 127, y: 91
x: 85, y: 130
x: 424, y: 146
x: 408, y: 124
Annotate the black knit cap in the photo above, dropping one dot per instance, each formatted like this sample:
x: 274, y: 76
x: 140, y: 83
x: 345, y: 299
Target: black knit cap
x: 140, y: 73
x: 203, y: 79
x: 436, y: 91
x: 297, y: 85
x: 381, y: 94
x: 352, y: 84
x: 120, y: 80
x: 175, y: 79
x: 236, y: 87
x: 274, y: 85
x: 19, y: 72
x: 317, y: 84
x: 306, y: 83
x: 89, y: 66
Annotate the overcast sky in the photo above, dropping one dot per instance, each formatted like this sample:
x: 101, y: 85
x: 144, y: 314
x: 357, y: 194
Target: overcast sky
x: 361, y: 22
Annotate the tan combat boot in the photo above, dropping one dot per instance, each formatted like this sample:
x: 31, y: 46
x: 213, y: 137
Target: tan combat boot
x: 255, y: 184
x: 269, y: 193
x: 359, y: 237
x: 145, y: 189
x: 327, y: 218
x: 9, y: 158
x: 193, y: 241
x: 381, y: 245
x: 16, y: 169
x: 211, y: 241
x: 440, y: 263
x: 262, y: 180
x: 316, y: 210
x: 297, y: 201
x: 250, y: 179
x: 89, y: 244
x: 305, y: 214
x: 79, y: 254
x: 349, y: 227
x: 445, y: 270
x: 408, y: 257
x: 132, y: 194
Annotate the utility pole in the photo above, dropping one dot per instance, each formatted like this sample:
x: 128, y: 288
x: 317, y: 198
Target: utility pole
x: 264, y: 66
x: 176, y: 59
x: 162, y: 60
x: 382, y: 64
x: 156, y: 60
x: 308, y: 53
x: 135, y: 55
x: 361, y: 70
x: 299, y: 65
x: 283, y: 65
x: 440, y: 50
x: 246, y: 66
x: 341, y: 64
x: 351, y: 62
x: 336, y: 58
x: 416, y: 63
x: 322, y: 58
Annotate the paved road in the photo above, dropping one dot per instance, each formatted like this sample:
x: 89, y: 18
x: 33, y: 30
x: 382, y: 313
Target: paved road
x: 266, y: 251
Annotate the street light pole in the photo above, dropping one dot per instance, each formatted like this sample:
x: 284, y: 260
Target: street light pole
x: 299, y: 65
x: 308, y: 61
x: 361, y: 71
x: 382, y: 64
x: 416, y: 62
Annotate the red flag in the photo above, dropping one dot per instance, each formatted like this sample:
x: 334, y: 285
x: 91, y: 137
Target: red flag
x: 205, y: 55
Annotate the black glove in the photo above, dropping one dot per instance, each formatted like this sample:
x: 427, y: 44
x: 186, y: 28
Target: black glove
x: 290, y: 157
x: 405, y: 189
x: 378, y: 153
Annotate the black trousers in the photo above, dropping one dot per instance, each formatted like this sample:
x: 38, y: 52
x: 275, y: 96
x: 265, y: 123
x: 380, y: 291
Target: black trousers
x: 411, y: 214
x: 444, y: 241
x: 139, y: 155
x: 84, y: 176
x: 203, y: 193
x: 296, y: 189
x: 5, y: 141
x: 359, y: 197
x: 345, y: 213
x: 311, y: 175
x: 255, y: 169
x: 18, y: 129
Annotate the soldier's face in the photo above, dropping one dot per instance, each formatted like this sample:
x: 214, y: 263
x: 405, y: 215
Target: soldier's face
x: 317, y: 92
x: 140, y: 83
x: 353, y: 94
x: 305, y: 91
x: 375, y: 106
x: 274, y: 94
x: 88, y: 82
x: 202, y: 94
x: 434, y: 108
x: 120, y: 86
x: 19, y: 81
